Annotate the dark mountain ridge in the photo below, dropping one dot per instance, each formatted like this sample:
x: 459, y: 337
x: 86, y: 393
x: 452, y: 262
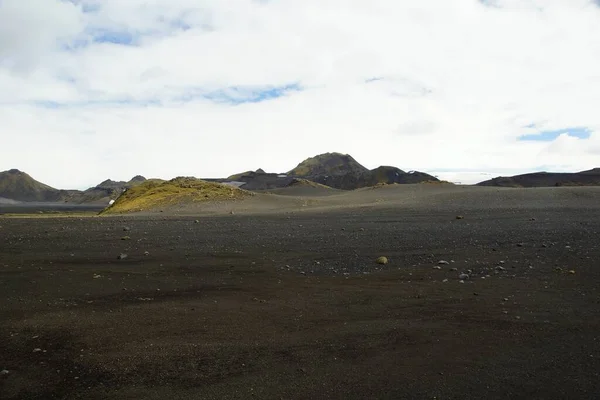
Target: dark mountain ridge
x: 547, y: 179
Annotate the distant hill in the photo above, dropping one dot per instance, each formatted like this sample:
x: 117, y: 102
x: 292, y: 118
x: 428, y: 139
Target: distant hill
x: 107, y: 190
x: 341, y: 171
x: 329, y: 164
x: 546, y: 179
x: 16, y: 185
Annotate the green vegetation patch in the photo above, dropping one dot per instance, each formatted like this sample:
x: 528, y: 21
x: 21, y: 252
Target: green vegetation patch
x: 156, y: 193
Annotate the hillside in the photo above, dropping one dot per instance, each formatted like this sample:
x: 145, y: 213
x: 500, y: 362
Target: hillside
x: 107, y: 190
x: 17, y: 185
x: 341, y: 171
x: 153, y: 194
x: 329, y: 164
x: 547, y: 179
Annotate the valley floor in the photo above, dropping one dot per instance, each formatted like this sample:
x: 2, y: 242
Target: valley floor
x: 291, y: 304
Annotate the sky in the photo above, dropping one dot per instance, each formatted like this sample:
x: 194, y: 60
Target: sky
x: 466, y: 90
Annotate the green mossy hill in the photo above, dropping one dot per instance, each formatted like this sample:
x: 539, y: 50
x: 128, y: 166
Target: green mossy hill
x: 155, y: 193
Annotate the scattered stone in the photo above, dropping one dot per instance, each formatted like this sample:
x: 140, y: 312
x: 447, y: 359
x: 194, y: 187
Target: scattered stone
x: 461, y: 281
x: 453, y: 269
x: 499, y: 268
x: 146, y: 253
x: 443, y: 262
x: 572, y: 271
x: 463, y: 277
x: 505, y: 299
x: 125, y: 238
x: 437, y: 267
x: 382, y: 260
x: 460, y: 217
x: 445, y: 280
x: 4, y: 372
x: 96, y: 276
x: 196, y: 221
x: 122, y: 256
x: 520, y: 244
x: 37, y: 350
x: 126, y: 229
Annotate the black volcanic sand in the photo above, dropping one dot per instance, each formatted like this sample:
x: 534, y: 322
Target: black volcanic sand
x: 292, y: 305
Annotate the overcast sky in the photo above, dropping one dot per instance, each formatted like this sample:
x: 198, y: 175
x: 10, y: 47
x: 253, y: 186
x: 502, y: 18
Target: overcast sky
x: 97, y: 89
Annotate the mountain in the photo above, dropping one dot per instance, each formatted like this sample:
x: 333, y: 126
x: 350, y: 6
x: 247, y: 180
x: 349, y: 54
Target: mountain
x: 341, y: 171
x: 17, y: 185
x: 329, y: 164
x: 546, y: 179
x: 108, y: 190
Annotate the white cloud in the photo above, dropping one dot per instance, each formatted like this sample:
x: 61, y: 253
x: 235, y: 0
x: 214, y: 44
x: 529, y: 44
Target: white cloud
x: 429, y: 84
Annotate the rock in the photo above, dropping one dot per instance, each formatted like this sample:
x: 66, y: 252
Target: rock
x: 125, y: 238
x: 382, y: 260
x: 460, y: 217
x: 499, y: 268
x: 96, y: 276
x: 437, y: 267
x: 146, y: 253
x: 453, y: 269
x: 443, y: 262
x: 445, y: 280
x: 4, y: 372
x: 122, y: 256
x: 520, y: 245
x: 126, y: 229
x: 463, y: 277
x: 196, y: 221
x: 572, y: 271
x: 505, y: 299
x: 37, y: 350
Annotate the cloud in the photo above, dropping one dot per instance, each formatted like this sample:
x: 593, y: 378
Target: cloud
x: 110, y: 89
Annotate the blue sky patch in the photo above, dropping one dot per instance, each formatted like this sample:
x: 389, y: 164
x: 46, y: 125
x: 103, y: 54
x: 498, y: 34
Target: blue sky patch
x: 548, y: 136
x: 115, y: 37
x: 240, y: 95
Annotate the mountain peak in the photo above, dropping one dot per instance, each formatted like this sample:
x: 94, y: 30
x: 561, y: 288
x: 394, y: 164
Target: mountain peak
x: 328, y: 164
x: 17, y: 185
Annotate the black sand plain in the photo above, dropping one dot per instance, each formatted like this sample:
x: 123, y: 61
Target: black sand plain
x: 279, y: 297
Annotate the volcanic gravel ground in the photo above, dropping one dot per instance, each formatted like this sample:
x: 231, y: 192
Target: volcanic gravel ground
x: 294, y: 306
